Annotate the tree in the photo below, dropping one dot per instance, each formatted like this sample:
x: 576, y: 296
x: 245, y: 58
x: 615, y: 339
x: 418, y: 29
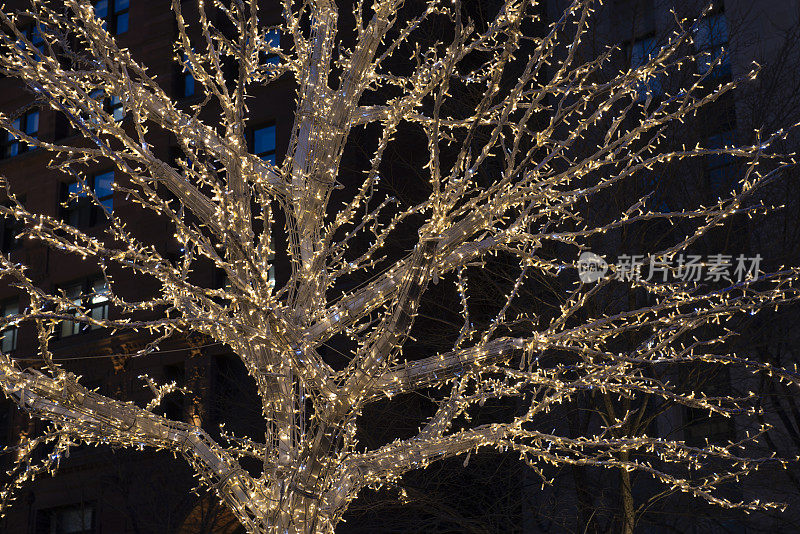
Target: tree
x: 515, y: 178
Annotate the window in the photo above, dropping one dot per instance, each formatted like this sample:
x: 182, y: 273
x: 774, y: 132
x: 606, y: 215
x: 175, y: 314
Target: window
x: 78, y: 208
x: 63, y: 128
x: 172, y: 405
x: 186, y: 82
x: 114, y: 14
x: 264, y: 143
x: 75, y: 519
x: 711, y: 37
x: 6, y: 437
x: 9, y: 227
x: 632, y: 18
x: 114, y: 107
x: 91, y: 296
x: 28, y: 123
x: 109, y: 104
x: 33, y: 33
x: 702, y: 426
x: 8, y: 336
x: 103, y: 184
x: 274, y: 40
x: 642, y: 51
x: 720, y: 168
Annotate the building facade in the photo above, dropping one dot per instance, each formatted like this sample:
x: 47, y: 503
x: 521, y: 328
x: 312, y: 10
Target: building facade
x: 104, y: 491
x: 99, y: 490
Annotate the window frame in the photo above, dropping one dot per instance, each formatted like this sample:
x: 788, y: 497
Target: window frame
x: 111, y: 20
x: 270, y: 155
x: 9, y: 227
x: 22, y: 124
x: 11, y: 332
x: 88, y: 213
x: 184, y: 74
x: 653, y: 85
x: 33, y: 33
x: 707, y: 53
x: 46, y: 516
x: 85, y: 299
x: 719, y: 162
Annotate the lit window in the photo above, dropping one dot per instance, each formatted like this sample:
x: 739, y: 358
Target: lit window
x: 8, y: 336
x: 271, y: 272
x: 264, y: 143
x: 92, y: 297
x: 73, y: 293
x: 114, y: 104
x: 710, y: 38
x: 99, y: 301
x: 28, y: 123
x: 114, y: 14
x: 77, y: 519
x: 78, y: 209
x: 643, y: 51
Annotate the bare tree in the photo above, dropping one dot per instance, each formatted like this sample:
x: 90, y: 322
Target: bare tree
x: 511, y: 177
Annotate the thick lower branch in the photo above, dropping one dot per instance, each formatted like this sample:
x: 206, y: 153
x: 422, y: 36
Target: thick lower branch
x: 439, y: 369
x: 95, y: 418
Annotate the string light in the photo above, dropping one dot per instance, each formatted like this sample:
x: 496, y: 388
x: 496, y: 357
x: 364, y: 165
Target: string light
x: 514, y: 181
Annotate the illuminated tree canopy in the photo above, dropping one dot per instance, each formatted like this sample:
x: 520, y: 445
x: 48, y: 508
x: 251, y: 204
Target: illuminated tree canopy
x: 517, y: 172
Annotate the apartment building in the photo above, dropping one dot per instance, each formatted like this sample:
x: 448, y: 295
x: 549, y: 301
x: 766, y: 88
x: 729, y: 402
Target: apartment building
x: 98, y: 490
x: 102, y: 491
x: 729, y: 41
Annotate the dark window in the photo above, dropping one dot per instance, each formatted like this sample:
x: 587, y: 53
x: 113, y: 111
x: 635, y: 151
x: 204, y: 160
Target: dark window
x: 172, y: 403
x: 9, y: 228
x: 642, y: 51
x: 33, y: 34
x: 91, y: 296
x: 186, y: 81
x: 78, y: 209
x: 75, y: 519
x: 187, y: 84
x: 263, y: 143
x: 114, y: 14
x: 6, y: 437
x: 720, y: 168
x: 710, y: 38
x: 633, y: 18
x: 62, y: 127
x: 701, y: 425
x: 8, y: 335
x: 274, y: 40
x: 28, y: 123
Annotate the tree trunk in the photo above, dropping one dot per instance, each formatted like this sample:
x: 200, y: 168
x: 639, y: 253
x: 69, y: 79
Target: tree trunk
x: 628, y: 511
